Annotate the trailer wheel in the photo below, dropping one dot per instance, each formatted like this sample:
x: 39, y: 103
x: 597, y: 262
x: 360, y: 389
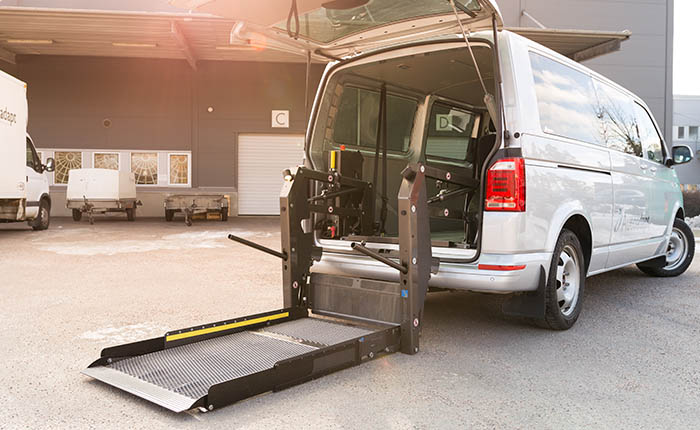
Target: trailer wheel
x: 131, y: 214
x: 224, y: 214
x: 169, y: 215
x: 44, y: 217
x: 77, y: 215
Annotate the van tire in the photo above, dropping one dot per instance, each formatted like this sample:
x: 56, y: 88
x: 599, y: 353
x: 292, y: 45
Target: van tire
x: 224, y: 214
x: 77, y: 215
x: 564, y: 290
x: 682, y: 235
x: 131, y: 214
x: 169, y: 215
x: 43, y: 219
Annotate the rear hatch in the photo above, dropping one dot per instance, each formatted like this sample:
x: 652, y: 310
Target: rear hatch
x: 344, y: 28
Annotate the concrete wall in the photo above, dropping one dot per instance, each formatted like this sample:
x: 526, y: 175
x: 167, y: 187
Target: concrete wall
x: 644, y: 65
x: 160, y: 105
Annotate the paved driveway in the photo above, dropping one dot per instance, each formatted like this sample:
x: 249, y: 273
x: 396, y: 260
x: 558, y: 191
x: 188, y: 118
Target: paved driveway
x: 632, y: 361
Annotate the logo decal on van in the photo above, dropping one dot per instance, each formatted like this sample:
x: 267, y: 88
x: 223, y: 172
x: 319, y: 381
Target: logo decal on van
x: 7, y: 116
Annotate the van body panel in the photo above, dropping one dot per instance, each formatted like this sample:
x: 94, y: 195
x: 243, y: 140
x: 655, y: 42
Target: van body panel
x: 628, y: 201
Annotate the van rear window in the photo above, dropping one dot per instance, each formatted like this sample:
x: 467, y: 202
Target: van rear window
x: 566, y: 100
x: 357, y: 119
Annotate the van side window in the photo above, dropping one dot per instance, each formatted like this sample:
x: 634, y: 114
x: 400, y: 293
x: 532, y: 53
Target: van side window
x: 565, y: 100
x: 618, y: 122
x: 358, y: 117
x: 32, y: 157
x: 649, y: 135
x: 451, y: 132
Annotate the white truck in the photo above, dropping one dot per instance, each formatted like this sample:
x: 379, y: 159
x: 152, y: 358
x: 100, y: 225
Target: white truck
x: 24, y: 188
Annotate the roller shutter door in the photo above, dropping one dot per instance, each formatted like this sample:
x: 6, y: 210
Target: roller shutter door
x: 261, y: 160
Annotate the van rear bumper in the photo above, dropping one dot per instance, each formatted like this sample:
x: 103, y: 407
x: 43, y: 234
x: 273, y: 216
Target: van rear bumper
x: 457, y: 276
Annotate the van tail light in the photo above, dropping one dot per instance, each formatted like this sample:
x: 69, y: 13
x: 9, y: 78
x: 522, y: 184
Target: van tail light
x: 505, y: 186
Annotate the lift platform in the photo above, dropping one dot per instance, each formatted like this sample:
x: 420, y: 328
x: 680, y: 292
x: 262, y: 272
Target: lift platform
x: 328, y: 322
x: 217, y: 364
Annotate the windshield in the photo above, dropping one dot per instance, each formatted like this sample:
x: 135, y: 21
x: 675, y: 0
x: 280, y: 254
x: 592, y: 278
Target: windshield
x: 327, y: 24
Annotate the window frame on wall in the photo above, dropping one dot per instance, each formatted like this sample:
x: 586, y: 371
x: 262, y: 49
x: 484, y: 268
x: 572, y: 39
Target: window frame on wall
x: 158, y: 174
x: 162, y: 158
x: 189, y: 169
x: 55, y: 153
x: 117, y: 153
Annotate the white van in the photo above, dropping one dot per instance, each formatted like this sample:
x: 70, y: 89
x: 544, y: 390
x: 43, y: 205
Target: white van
x: 24, y: 186
x: 569, y: 175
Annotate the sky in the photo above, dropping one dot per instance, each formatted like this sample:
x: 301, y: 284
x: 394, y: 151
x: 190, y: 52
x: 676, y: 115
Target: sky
x: 686, y: 48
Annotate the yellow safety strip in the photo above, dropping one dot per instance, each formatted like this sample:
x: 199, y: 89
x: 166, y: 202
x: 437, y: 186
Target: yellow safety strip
x: 332, y: 159
x: 200, y: 332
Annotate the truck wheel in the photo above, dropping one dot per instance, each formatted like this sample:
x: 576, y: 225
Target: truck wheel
x: 169, y: 215
x: 565, y: 283
x: 679, y: 254
x: 224, y: 214
x: 131, y: 214
x: 43, y: 218
x: 77, y: 215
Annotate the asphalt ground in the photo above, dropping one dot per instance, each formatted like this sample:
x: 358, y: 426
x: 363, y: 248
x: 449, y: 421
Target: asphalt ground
x: 631, y: 361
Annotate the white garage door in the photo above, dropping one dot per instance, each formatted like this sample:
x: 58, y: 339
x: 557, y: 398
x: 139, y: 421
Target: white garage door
x: 261, y: 160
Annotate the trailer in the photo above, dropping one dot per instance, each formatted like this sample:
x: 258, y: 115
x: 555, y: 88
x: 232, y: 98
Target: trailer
x: 328, y: 323
x: 194, y: 204
x: 99, y: 191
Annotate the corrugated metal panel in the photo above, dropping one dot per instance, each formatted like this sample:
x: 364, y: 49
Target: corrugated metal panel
x: 261, y: 160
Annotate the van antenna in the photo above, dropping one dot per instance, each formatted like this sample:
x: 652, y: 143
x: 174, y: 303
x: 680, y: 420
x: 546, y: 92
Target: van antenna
x: 489, y: 100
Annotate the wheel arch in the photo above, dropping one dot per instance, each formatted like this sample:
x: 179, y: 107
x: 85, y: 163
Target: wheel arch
x: 578, y: 224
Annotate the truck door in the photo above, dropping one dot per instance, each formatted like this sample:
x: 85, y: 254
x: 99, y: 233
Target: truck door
x: 36, y: 180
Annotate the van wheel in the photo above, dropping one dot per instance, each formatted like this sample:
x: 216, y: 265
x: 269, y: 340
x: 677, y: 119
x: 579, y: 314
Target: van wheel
x: 169, y: 214
x: 679, y: 254
x: 131, y: 214
x: 77, y: 215
x: 565, y: 283
x: 224, y: 214
x: 43, y: 218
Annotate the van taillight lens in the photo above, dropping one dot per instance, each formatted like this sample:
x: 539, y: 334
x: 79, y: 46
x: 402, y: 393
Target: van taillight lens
x: 505, y: 186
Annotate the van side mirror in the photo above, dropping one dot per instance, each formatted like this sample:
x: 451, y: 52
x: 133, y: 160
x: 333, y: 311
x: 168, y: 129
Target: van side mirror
x: 50, y: 165
x: 682, y: 154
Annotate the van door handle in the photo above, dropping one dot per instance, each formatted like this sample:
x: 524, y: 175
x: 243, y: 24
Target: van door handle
x: 643, y: 166
x: 653, y: 170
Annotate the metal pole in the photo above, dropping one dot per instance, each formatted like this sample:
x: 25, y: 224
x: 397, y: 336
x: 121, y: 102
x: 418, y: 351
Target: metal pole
x: 265, y: 249
x: 380, y: 258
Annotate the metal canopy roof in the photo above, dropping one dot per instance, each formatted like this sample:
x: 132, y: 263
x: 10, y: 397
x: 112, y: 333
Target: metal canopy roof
x: 194, y: 37
x: 191, y: 37
x: 579, y: 45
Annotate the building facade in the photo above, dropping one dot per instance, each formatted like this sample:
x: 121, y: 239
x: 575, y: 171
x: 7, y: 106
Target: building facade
x: 207, y: 122
x: 686, y: 131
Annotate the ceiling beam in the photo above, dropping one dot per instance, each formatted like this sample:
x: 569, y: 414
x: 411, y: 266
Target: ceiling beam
x: 183, y: 44
x: 8, y: 56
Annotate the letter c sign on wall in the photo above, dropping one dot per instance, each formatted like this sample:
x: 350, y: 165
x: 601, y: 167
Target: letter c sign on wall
x: 280, y: 119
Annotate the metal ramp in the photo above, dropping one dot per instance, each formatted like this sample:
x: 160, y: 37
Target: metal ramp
x: 189, y: 375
